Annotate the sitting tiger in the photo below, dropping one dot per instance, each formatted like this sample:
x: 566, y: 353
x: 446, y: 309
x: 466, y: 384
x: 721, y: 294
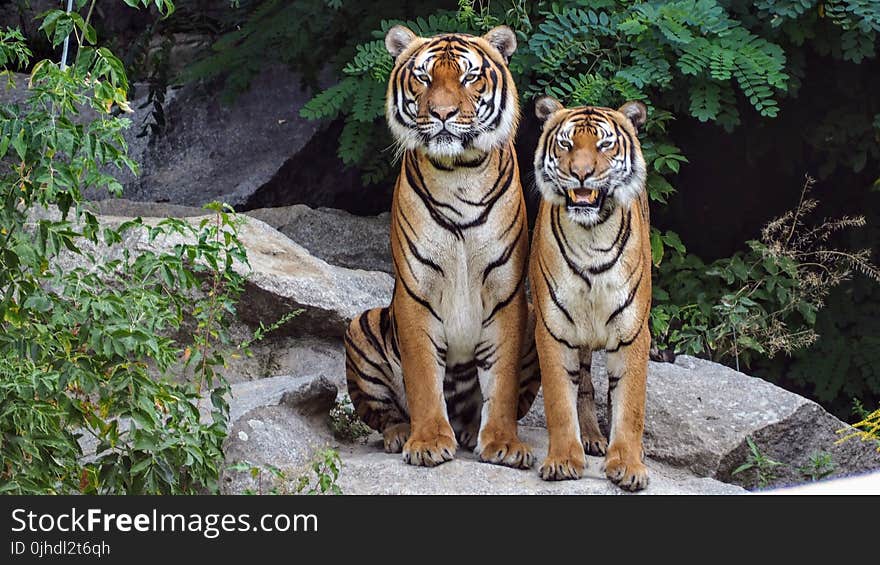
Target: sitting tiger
x: 590, y: 271
x: 451, y: 360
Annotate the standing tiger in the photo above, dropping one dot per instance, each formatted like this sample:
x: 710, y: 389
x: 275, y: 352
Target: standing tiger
x: 450, y: 360
x: 590, y: 271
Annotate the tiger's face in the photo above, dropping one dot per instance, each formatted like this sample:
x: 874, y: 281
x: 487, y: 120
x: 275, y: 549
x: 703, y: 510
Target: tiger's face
x: 589, y: 158
x: 452, y: 95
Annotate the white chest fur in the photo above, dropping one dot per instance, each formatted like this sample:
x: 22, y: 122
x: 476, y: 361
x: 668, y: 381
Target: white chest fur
x: 459, y: 246
x: 594, y: 305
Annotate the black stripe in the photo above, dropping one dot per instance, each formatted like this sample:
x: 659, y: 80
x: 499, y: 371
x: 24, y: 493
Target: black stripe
x: 419, y: 257
x: 505, y: 302
x: 506, y: 180
x: 626, y: 233
x: 367, y: 330
x: 628, y: 301
x: 628, y: 342
x: 418, y: 299
x: 456, y: 396
x: 554, y: 336
x: 616, y: 237
x: 559, y: 236
x: 516, y: 218
x: 385, y: 326
x: 504, y: 257
x: 553, y: 295
x: 360, y: 373
x: 427, y: 199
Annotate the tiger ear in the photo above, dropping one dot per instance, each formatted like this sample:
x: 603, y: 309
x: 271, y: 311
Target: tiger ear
x: 398, y: 39
x: 503, y: 39
x: 546, y: 106
x: 636, y: 112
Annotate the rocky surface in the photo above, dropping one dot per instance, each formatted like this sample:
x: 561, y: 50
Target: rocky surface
x: 282, y: 276
x: 368, y: 470
x: 699, y: 414
x: 282, y: 422
x: 340, y: 238
x: 207, y: 150
x: 337, y: 237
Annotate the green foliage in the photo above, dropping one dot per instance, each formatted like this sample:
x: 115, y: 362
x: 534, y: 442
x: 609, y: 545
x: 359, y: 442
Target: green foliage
x: 845, y: 362
x: 14, y: 52
x: 867, y: 428
x: 360, y: 97
x: 760, y: 301
x: 97, y: 395
x: 761, y: 466
x: 605, y: 55
x: 320, y: 479
x: 344, y: 422
x: 820, y: 465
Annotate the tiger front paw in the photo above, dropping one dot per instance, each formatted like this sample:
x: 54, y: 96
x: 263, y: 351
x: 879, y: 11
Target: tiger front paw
x: 563, y: 464
x: 625, y: 470
x: 510, y: 452
x: 429, y: 451
x: 395, y: 436
x: 468, y: 438
x: 594, y: 445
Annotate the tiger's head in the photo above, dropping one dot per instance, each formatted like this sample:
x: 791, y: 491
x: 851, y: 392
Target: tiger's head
x: 451, y: 95
x: 589, y: 159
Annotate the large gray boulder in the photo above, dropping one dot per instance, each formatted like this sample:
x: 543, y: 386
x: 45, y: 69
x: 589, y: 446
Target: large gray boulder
x: 282, y: 423
x: 281, y: 276
x: 278, y: 422
x: 210, y: 150
x: 340, y: 238
x: 337, y: 237
x: 699, y: 415
x: 282, y: 354
x: 284, y: 276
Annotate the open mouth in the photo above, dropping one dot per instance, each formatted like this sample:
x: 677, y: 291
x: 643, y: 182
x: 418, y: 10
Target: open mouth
x: 444, y: 136
x: 584, y: 198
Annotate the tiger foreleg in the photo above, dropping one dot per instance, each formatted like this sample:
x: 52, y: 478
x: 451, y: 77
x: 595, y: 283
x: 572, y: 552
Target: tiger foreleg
x: 498, y: 358
x: 627, y: 377
x: 431, y: 440
x: 530, y: 373
x: 560, y: 372
x: 591, y: 436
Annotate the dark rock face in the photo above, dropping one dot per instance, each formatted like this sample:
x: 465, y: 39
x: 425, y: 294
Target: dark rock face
x: 315, y: 176
x: 211, y: 151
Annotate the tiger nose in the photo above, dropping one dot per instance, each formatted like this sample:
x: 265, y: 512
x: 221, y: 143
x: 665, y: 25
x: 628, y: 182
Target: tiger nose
x: 443, y: 113
x: 582, y: 172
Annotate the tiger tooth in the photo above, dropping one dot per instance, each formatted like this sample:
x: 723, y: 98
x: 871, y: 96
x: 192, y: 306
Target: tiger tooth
x: 594, y: 194
x: 571, y: 195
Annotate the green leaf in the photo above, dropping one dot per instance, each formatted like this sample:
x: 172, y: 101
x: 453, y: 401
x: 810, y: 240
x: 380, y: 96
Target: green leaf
x: 19, y: 144
x: 656, y: 247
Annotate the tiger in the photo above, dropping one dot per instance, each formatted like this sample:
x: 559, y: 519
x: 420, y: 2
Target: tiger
x: 590, y: 275
x: 451, y: 361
